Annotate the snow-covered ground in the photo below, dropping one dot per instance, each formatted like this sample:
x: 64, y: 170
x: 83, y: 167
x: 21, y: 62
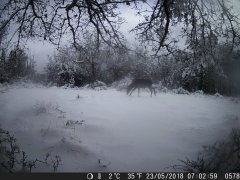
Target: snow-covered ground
x: 107, y: 130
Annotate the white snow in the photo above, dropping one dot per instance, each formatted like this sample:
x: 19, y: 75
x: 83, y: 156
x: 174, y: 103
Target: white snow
x: 107, y: 130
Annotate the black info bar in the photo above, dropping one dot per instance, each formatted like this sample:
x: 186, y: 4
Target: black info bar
x: 124, y: 175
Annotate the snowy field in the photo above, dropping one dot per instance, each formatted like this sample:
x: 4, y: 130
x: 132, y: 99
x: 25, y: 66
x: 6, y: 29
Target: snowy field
x: 106, y: 130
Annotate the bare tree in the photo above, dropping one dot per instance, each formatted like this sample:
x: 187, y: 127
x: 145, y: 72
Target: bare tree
x: 200, y: 20
x: 51, y: 19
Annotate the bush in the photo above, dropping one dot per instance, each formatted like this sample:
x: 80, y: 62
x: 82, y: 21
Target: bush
x: 99, y: 85
x: 13, y: 159
x: 122, y: 84
x: 221, y: 157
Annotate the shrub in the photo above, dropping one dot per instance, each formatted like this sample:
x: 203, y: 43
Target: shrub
x: 221, y: 157
x: 13, y: 159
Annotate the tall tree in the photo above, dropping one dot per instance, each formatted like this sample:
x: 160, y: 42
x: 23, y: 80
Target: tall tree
x: 200, y: 20
x: 52, y: 19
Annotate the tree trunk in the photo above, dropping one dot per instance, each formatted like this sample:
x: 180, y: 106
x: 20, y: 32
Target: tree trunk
x: 93, y: 71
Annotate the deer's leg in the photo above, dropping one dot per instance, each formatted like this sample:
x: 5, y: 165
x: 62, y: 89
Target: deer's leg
x: 132, y: 91
x: 150, y: 90
x: 138, y: 91
x: 154, y: 91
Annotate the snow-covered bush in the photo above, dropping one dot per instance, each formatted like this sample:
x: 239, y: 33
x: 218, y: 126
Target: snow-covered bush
x: 13, y: 159
x: 97, y: 85
x: 221, y: 157
x: 217, y: 95
x: 165, y: 90
x: 159, y: 87
x: 200, y: 92
x: 122, y: 84
x: 180, y: 91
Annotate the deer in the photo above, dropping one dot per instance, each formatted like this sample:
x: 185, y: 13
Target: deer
x: 140, y: 83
